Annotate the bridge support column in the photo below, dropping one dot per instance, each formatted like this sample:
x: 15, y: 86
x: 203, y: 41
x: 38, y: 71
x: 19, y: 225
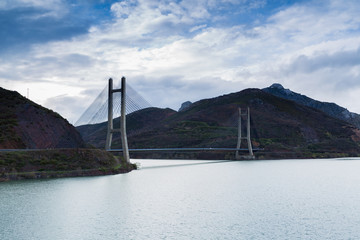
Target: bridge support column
x: 110, y: 116
x: 122, y: 128
x: 124, y: 142
x: 248, y: 134
x: 247, y: 138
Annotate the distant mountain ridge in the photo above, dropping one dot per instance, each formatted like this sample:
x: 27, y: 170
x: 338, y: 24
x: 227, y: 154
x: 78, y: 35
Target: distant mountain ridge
x: 331, y: 109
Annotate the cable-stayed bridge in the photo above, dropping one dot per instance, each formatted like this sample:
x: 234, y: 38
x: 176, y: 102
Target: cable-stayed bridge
x: 120, y: 99
x: 97, y: 112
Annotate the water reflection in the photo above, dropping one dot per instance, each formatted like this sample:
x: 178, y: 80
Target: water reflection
x: 175, y: 163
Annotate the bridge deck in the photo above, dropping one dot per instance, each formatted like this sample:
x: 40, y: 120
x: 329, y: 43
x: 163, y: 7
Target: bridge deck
x: 182, y: 149
x: 145, y: 149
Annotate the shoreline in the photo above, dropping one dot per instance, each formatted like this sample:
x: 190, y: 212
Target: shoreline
x: 15, y: 176
x: 59, y: 163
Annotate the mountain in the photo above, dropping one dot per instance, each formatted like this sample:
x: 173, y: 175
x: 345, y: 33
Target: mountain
x: 25, y: 124
x: 331, y: 109
x: 49, y: 145
x: 282, y: 128
x: 185, y: 105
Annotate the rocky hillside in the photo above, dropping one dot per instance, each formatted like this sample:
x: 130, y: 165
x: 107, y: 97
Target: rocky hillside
x: 331, y: 109
x: 25, y: 124
x: 283, y: 128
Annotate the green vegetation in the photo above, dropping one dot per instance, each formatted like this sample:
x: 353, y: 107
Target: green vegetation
x: 8, y: 119
x: 59, y: 163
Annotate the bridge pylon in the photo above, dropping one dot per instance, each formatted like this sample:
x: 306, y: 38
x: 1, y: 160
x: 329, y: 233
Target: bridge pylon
x: 122, y: 129
x: 247, y: 137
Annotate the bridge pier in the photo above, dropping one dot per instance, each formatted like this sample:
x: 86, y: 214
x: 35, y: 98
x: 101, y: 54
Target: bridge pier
x: 122, y: 129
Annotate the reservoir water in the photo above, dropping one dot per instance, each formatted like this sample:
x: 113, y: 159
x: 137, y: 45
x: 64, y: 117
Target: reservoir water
x: 287, y: 199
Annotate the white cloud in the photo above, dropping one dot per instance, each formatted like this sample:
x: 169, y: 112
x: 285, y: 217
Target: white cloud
x: 123, y: 9
x: 196, y: 28
x: 55, y: 8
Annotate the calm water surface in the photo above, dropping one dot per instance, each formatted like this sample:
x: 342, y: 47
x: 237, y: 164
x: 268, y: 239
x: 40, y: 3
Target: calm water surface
x: 287, y: 199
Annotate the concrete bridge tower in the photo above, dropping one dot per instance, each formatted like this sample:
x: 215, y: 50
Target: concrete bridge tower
x: 247, y: 137
x: 122, y: 129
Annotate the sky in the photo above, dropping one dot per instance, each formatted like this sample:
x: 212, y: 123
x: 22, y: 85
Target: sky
x: 63, y: 51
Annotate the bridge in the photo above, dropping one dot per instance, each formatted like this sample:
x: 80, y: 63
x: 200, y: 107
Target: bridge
x: 120, y: 99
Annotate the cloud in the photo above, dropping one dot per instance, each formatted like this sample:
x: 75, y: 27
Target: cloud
x: 24, y: 23
x: 320, y: 61
x: 34, y: 26
x: 123, y: 9
x: 62, y: 105
x: 160, y: 91
x: 56, y: 7
x: 171, y: 52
